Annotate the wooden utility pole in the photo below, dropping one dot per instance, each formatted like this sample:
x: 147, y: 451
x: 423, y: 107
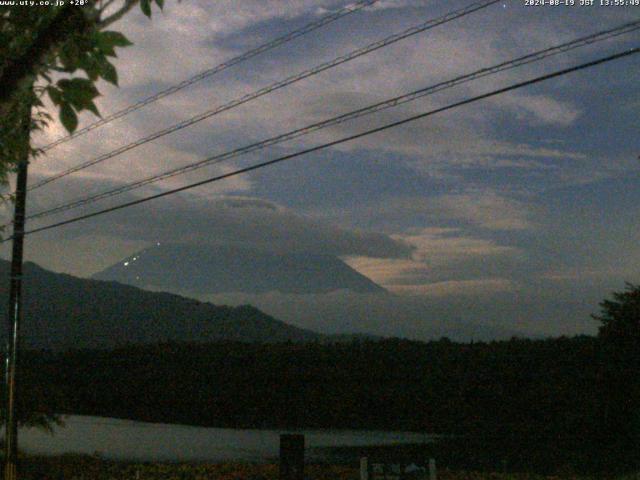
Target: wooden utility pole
x: 14, y: 312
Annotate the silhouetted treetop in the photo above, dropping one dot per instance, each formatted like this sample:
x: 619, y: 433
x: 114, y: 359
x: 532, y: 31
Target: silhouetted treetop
x: 620, y: 316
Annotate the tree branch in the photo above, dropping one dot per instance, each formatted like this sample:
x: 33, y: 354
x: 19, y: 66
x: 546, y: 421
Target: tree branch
x: 128, y: 5
x: 106, y: 5
x: 67, y: 21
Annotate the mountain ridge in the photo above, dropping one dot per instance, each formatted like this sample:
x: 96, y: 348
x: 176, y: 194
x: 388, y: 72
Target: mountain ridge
x: 62, y: 311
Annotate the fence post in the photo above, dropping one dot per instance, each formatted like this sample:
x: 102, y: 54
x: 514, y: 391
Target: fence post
x: 433, y: 474
x: 364, y: 468
x: 291, y: 457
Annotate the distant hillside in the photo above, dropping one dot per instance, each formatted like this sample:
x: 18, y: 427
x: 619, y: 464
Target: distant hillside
x: 225, y: 268
x: 62, y: 311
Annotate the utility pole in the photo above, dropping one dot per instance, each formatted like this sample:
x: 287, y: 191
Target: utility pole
x: 14, y: 312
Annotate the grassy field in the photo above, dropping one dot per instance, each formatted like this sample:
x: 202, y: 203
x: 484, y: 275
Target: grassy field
x: 75, y: 467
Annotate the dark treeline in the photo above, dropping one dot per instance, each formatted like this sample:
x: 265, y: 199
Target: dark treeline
x: 516, y: 394
x: 439, y: 387
x: 538, y: 404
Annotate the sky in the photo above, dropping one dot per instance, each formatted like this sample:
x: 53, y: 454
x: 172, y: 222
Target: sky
x: 512, y: 215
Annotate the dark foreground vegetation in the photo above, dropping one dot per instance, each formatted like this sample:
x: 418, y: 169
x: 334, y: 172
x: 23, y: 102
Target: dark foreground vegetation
x: 75, y: 467
x: 80, y: 467
x: 547, y: 387
x: 538, y: 405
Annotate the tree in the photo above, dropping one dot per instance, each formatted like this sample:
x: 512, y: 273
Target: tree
x: 41, y: 49
x: 620, y: 318
x: 619, y: 335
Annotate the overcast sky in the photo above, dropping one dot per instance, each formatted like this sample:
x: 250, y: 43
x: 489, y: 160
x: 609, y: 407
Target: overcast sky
x: 521, y: 211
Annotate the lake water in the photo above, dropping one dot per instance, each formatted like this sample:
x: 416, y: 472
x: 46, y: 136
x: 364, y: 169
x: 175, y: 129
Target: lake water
x: 129, y: 440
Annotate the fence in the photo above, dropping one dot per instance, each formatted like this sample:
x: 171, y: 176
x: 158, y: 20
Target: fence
x: 384, y: 470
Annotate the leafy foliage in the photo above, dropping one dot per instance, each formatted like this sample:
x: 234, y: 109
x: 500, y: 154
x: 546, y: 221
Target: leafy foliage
x: 36, y: 45
x: 620, y: 316
x: 620, y: 336
x: 42, y: 50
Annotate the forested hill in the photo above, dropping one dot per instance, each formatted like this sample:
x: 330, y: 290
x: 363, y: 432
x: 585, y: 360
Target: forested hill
x: 553, y: 402
x: 62, y: 311
x: 438, y: 386
x: 523, y: 398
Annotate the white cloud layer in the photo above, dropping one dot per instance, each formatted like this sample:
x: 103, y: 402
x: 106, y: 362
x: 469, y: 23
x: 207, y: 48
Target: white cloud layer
x: 439, y: 265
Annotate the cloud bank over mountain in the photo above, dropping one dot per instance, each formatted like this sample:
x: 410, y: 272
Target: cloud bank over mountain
x: 526, y: 203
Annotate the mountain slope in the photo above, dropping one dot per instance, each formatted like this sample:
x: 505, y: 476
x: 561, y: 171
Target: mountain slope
x: 225, y: 268
x: 62, y: 311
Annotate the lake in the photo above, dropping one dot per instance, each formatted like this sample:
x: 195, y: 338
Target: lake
x: 129, y: 440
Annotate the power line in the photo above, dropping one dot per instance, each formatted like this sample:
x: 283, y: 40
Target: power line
x: 214, y: 70
x: 377, y: 107
x: 276, y: 86
x: 493, y: 93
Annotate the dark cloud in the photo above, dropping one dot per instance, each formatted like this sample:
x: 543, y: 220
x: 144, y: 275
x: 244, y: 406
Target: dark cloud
x: 251, y: 222
x: 190, y: 219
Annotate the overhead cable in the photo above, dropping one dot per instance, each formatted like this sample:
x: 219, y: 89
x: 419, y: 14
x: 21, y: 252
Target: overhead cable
x: 331, y: 17
x: 371, y: 109
x: 323, y: 146
x: 429, y: 24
